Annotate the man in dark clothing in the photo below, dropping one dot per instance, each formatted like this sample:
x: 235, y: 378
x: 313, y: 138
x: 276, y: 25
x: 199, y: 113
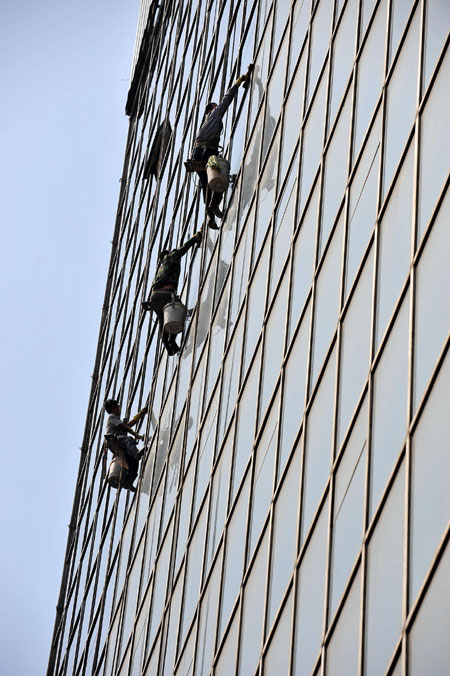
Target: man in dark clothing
x: 119, y: 430
x: 207, y: 144
x: 165, y: 286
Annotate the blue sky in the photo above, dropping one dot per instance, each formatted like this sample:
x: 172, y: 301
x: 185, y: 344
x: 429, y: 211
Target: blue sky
x: 65, y: 71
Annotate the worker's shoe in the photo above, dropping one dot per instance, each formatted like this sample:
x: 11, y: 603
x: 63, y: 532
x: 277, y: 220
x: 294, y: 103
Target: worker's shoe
x: 172, y: 348
x: 215, y: 210
x: 212, y: 224
x: 146, y: 305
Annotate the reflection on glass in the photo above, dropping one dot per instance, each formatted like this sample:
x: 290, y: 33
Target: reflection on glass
x: 266, y: 196
x: 430, y: 479
x: 385, y: 581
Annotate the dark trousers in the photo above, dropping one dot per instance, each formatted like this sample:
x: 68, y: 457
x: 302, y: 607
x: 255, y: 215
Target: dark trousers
x: 209, y: 197
x: 158, y: 299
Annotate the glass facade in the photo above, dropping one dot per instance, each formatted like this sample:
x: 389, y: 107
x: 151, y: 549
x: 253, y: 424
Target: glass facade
x: 292, y: 512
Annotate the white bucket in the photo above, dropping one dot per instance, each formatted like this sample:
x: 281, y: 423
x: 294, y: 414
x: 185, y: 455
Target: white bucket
x: 174, y: 317
x: 218, y: 177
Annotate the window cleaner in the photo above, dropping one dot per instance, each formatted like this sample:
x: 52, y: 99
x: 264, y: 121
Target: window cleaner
x: 124, y: 466
x: 163, y: 299
x: 206, y: 145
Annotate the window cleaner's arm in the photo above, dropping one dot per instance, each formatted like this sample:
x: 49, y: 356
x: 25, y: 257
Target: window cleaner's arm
x: 231, y: 93
x: 124, y: 427
x: 194, y: 240
x: 138, y: 416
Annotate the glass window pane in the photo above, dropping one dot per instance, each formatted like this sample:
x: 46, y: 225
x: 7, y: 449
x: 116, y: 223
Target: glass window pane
x: 394, y: 256
x: 284, y: 544
x: 175, y: 604
x: 252, y: 623
x: 294, y: 390
x: 432, y: 317
x: 430, y: 479
x: 343, y: 650
x: 207, y: 622
x: 303, y: 262
x: 246, y: 423
x: 429, y: 647
x: 399, y: 16
x: 230, y: 381
x: 370, y: 75
x: 343, y: 56
x: 234, y: 556
x: 434, y: 146
x: 283, y: 227
x: 385, y: 581
x: 327, y: 306
x: 263, y: 480
x: 389, y: 417
x: 256, y: 303
x: 319, y: 447
x: 401, y: 101
x: 437, y: 21
x: 277, y: 657
x: 241, y: 268
x: 266, y: 196
x: 363, y: 204
x: 193, y: 575
x: 312, y: 141
x: 348, y: 510
x: 274, y: 344
x: 310, y: 599
x: 226, y: 663
x: 336, y: 171
x: 355, y: 349
x: 205, y: 453
x: 274, y: 98
x: 320, y: 37
x: 292, y: 116
x: 300, y: 20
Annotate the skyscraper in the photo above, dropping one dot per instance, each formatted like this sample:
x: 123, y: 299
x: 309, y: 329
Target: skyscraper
x: 292, y: 512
